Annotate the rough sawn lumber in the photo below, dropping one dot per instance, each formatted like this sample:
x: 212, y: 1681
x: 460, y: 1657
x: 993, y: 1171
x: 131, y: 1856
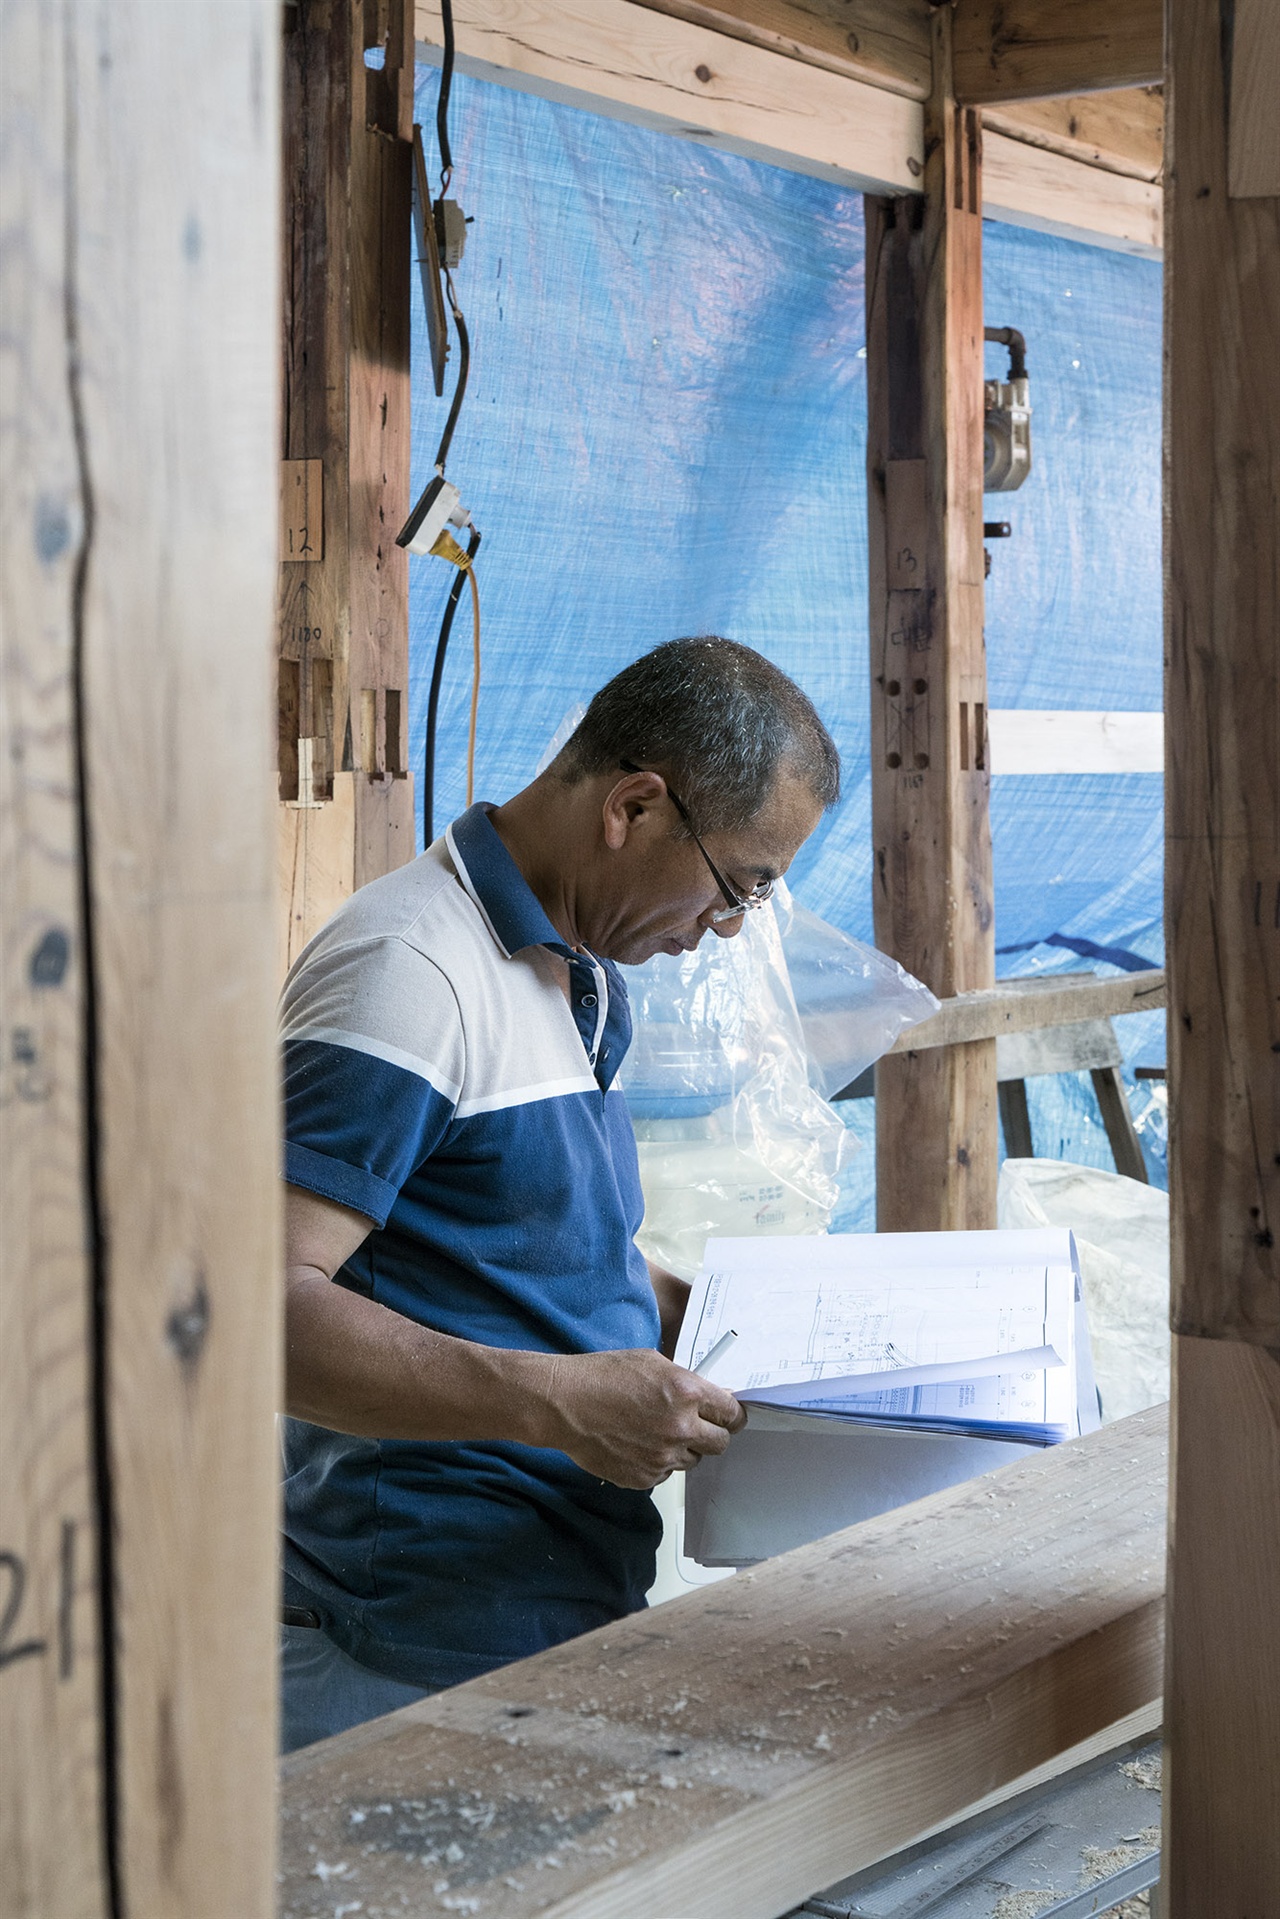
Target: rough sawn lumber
x: 736, y: 1749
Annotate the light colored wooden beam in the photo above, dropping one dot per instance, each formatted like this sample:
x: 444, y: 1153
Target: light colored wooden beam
x: 139, y: 1363
x: 738, y: 1749
x: 1029, y: 186
x: 1222, y: 704
x: 635, y: 64
x: 1026, y: 1006
x: 1032, y: 49
x: 885, y: 42
x: 53, y: 1806
x: 936, y: 1131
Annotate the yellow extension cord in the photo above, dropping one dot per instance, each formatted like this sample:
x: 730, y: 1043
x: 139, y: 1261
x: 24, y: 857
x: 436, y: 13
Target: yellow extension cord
x: 448, y: 549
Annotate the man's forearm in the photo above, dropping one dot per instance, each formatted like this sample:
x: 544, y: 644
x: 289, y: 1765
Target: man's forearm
x: 358, y: 1367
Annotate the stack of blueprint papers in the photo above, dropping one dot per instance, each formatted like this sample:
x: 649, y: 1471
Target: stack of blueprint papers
x: 981, y: 1334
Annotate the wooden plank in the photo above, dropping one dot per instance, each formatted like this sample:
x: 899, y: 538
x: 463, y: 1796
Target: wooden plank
x: 1222, y: 1837
x: 1222, y: 702
x: 645, y: 67
x: 1034, y: 741
x: 1029, y: 186
x: 1254, y: 133
x: 53, y: 1805
x: 1057, y: 1049
x: 344, y: 618
x: 936, y: 1131
x: 171, y: 348
x: 1023, y: 1006
x: 1122, y: 132
x: 885, y: 42
x: 1030, y: 49
x: 762, y: 1738
x: 1122, y: 1134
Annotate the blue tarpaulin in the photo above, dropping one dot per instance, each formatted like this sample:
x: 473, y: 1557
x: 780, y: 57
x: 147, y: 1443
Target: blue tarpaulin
x: 665, y: 434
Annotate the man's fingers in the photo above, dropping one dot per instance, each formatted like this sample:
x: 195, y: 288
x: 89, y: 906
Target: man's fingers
x: 721, y: 1408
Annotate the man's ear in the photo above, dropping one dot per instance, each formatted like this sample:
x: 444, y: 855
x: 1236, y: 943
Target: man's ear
x: 629, y: 805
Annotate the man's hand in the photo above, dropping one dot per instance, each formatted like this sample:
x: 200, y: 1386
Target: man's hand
x: 633, y: 1418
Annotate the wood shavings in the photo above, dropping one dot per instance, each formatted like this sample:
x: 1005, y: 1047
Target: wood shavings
x: 1099, y: 1862
x: 1024, y: 1905
x: 1146, y: 1771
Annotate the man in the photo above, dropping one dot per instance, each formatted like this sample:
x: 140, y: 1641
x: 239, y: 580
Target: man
x: 482, y: 1402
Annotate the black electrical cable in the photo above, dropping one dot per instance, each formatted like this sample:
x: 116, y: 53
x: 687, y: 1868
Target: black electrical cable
x: 442, y: 101
x: 433, y: 701
x: 464, y: 367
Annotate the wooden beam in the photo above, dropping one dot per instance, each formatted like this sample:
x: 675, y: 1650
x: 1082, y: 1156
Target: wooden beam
x: 1031, y: 186
x: 1027, y: 1005
x: 1222, y: 1729
x: 53, y: 1806
x: 139, y: 1356
x: 1222, y: 701
x: 738, y: 1749
x: 635, y: 64
x: 346, y: 793
x: 885, y: 42
x: 1121, y: 132
x: 936, y: 1132
x: 1032, y: 49
x: 789, y: 105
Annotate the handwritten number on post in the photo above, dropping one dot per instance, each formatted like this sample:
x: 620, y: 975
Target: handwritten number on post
x: 25, y: 1648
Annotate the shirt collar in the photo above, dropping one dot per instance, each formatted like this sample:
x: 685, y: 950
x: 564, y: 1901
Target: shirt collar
x: 510, y: 907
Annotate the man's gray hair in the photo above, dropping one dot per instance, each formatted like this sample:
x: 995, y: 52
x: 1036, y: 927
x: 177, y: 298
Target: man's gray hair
x: 717, y: 720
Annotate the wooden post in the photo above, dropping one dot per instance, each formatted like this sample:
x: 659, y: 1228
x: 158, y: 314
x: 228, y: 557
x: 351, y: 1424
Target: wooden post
x: 936, y: 1137
x: 345, y: 790
x: 138, y: 1143
x: 1222, y: 1802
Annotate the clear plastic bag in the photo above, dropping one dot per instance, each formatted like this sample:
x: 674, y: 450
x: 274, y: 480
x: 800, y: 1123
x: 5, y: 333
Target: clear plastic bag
x: 733, y: 1129
x: 853, y: 1001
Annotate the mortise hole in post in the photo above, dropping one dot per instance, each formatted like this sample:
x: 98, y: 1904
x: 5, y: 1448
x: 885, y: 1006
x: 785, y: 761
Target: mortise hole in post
x: 394, y: 750
x: 322, y: 729
x: 289, y: 714
x: 369, y: 733
x: 893, y: 760
x: 980, y: 737
x: 964, y: 736
x: 893, y: 689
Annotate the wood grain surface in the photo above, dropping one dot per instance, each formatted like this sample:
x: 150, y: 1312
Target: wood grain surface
x: 936, y: 1126
x: 645, y: 66
x: 344, y: 615
x: 741, y: 1747
x: 1222, y: 798
x: 883, y: 41
x: 138, y: 1089
x: 1029, y: 49
x: 1026, y: 1005
x: 53, y: 1804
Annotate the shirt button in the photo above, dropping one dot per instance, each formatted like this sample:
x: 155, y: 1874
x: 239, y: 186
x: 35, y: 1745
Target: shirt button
x: 588, y: 999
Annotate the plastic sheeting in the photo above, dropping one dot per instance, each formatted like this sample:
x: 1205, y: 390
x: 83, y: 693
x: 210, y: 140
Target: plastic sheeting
x: 665, y: 434
x: 1122, y: 1234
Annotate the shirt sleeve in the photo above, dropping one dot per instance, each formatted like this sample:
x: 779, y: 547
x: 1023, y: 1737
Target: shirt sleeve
x: 374, y: 1061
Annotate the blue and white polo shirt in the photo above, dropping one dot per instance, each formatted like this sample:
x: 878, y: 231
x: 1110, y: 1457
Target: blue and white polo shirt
x: 438, y: 1080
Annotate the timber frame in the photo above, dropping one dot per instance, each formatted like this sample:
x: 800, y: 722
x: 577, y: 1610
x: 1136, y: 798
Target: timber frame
x: 138, y: 945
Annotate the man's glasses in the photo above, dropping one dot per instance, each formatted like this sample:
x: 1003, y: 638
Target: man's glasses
x: 736, y: 903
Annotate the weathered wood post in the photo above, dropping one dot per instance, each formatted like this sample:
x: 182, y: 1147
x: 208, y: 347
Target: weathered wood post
x: 936, y: 1138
